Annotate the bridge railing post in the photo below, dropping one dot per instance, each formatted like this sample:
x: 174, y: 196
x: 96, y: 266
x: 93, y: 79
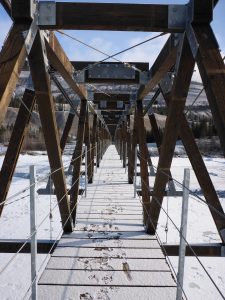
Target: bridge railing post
x: 33, y: 233
x: 96, y: 157
x: 183, y: 234
x: 86, y: 171
x: 135, y: 172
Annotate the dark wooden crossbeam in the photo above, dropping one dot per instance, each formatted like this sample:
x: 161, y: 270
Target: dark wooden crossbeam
x: 111, y: 97
x: 210, y: 250
x: 13, y: 246
x: 112, y: 16
x: 80, y: 65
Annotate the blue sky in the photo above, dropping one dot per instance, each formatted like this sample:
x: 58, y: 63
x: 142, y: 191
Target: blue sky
x: 112, y: 42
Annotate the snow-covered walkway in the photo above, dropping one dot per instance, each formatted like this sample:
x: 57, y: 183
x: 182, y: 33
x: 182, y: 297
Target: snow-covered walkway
x: 108, y: 256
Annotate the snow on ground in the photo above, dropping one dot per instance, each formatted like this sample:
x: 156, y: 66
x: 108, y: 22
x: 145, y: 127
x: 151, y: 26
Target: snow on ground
x: 14, y: 224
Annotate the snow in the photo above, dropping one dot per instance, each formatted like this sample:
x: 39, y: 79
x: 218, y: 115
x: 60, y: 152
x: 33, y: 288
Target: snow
x: 14, y: 224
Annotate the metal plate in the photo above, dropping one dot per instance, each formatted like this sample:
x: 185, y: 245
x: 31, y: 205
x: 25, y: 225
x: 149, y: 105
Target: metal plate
x: 177, y: 16
x: 47, y: 13
x: 111, y: 71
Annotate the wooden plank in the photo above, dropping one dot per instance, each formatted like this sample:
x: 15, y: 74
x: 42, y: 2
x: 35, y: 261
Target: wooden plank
x: 110, y: 252
x: 111, y: 16
x: 12, y: 58
x: 77, y: 159
x: 55, y: 292
x: 111, y: 243
x: 164, y: 62
x: 42, y: 87
x: 182, y: 80
x: 69, y: 263
x: 15, y: 144
x: 84, y: 277
x: 139, y: 235
x: 212, y: 70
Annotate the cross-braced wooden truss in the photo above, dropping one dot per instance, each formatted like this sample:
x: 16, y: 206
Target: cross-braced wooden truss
x: 191, y: 41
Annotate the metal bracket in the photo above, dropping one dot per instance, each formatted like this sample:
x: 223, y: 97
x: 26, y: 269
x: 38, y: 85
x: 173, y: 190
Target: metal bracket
x: 222, y: 233
x: 79, y: 76
x: 192, y: 40
x: 144, y: 78
x: 44, y: 50
x: 166, y: 84
x: 47, y: 13
x: 223, y: 251
x: 177, y: 16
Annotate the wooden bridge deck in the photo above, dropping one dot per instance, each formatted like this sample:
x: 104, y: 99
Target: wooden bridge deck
x: 108, y: 256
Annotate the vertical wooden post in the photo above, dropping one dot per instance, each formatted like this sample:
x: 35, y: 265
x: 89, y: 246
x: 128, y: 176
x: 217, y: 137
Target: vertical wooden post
x: 130, y: 178
x: 143, y: 161
x: 87, y: 143
x: 98, y: 143
x: 78, y: 159
x: 133, y: 146
x: 124, y: 141
x: 93, y: 148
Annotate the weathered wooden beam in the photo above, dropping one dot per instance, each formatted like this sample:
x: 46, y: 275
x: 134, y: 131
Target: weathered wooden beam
x: 15, y: 145
x: 61, y: 63
x: 129, y: 146
x: 164, y: 62
x: 66, y: 131
x: 111, y: 97
x: 12, y: 58
x: 200, y: 170
x: 93, y: 146
x: 209, y: 250
x: 124, y: 141
x: 77, y: 159
x: 88, y: 145
x: 112, y: 16
x: 143, y: 161
x: 80, y: 65
x: 14, y: 246
x: 182, y: 80
x: 158, y: 139
x: 42, y: 88
x: 212, y: 71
